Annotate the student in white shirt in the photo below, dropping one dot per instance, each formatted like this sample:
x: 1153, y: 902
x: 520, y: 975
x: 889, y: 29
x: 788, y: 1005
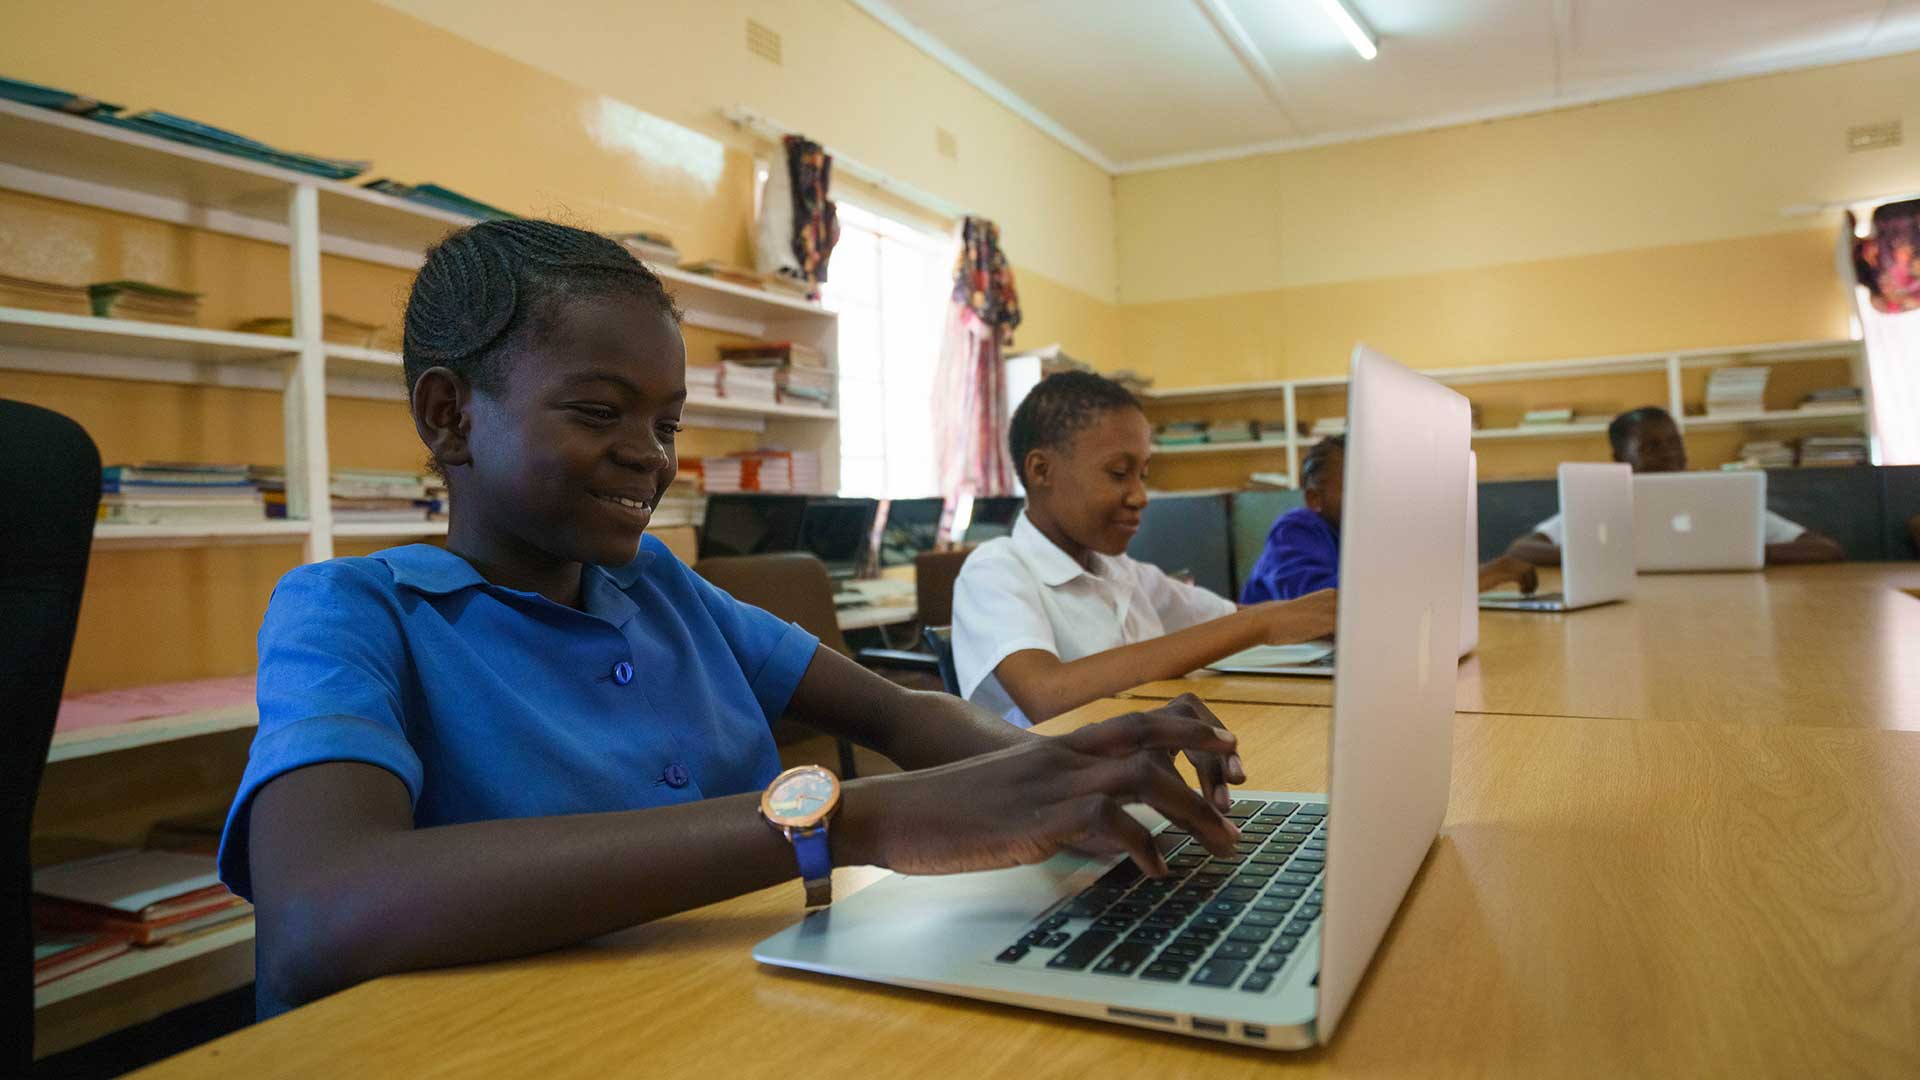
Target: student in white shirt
x: 1649, y: 441
x: 1057, y: 615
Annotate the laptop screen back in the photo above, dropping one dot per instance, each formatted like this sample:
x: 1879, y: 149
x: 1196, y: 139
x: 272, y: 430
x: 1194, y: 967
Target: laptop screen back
x: 1700, y: 521
x: 912, y: 526
x: 838, y: 531
x: 751, y: 524
x: 1596, y: 515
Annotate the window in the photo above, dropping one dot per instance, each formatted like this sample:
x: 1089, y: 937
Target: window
x: 889, y: 282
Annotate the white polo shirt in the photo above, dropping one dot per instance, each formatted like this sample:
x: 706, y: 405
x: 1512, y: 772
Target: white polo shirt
x: 1779, y: 530
x: 1022, y: 592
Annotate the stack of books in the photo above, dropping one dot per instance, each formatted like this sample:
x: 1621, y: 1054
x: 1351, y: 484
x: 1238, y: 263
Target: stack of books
x: 749, y: 384
x: 440, y: 198
x: 1737, y: 390
x: 177, y: 493
x: 1328, y: 425
x: 1231, y: 431
x: 145, y: 897
x: 57, y: 955
x: 194, y: 133
x: 381, y: 496
x: 35, y: 295
x: 682, y: 504
x: 650, y: 247
x: 806, y: 386
x: 717, y: 475
x: 775, y: 354
x: 781, y: 471
x: 1833, y: 450
x: 1181, y: 433
x: 1832, y: 396
x: 1547, y: 416
x: 1766, y: 454
x: 1271, y: 431
x: 142, y: 302
x: 703, y: 380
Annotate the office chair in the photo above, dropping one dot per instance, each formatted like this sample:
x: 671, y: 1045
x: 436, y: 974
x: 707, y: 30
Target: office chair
x: 49, y: 492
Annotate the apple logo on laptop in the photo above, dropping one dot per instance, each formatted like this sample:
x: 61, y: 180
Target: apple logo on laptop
x: 1683, y: 523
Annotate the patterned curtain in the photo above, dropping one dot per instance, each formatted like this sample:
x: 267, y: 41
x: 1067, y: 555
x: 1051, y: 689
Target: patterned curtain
x: 816, y: 222
x: 970, y: 413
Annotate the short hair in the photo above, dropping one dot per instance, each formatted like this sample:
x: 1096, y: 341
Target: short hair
x: 1058, y: 408
x: 1628, y: 422
x: 485, y: 288
x: 1313, y: 471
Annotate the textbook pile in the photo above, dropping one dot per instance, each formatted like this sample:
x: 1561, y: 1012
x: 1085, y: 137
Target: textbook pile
x: 90, y: 910
x: 179, y: 493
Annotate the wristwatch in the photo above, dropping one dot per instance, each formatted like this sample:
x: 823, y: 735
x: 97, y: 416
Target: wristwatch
x: 798, y: 803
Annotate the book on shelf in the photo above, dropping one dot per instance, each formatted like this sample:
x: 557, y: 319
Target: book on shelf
x: 1556, y: 414
x: 767, y: 470
x: 34, y: 295
x: 364, y: 496
x: 1833, y: 395
x: 57, y: 955
x: 179, y: 493
x: 110, y: 708
x: 149, y: 896
x: 194, y: 133
x: 47, y: 97
x: 1230, y: 431
x: 1833, y: 450
x: 703, y: 380
x: 807, y: 386
x: 1271, y: 479
x: 440, y: 198
x: 1328, y: 425
x: 1767, y: 454
x: 722, y: 270
x: 1737, y: 390
x: 142, y: 302
x: 1270, y: 431
x: 650, y: 247
x: 748, y: 383
x: 775, y: 354
x: 337, y: 329
x: 1181, y: 433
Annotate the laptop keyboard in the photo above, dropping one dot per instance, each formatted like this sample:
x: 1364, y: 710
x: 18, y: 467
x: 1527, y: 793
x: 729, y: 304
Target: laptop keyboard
x: 1222, y: 923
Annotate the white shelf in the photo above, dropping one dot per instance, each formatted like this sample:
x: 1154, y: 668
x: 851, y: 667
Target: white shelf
x: 24, y: 333
x: 112, y: 535
x: 724, y: 407
x: 108, y: 738
x: 1540, y: 431
x: 137, y: 961
x: 396, y: 530
x: 1813, y: 415
x: 1251, y: 447
x: 357, y: 362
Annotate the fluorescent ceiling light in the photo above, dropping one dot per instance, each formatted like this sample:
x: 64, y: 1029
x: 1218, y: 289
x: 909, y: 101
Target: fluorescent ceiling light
x: 1358, y: 34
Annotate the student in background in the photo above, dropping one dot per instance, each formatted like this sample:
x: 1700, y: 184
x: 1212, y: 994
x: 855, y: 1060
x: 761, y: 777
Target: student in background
x: 1303, y: 548
x: 1057, y: 615
x: 1649, y: 441
x: 551, y: 729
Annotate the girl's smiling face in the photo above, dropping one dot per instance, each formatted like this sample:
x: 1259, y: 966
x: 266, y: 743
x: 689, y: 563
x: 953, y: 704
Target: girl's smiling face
x: 570, y: 457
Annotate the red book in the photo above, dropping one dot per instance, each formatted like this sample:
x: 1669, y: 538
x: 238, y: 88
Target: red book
x: 59, y: 955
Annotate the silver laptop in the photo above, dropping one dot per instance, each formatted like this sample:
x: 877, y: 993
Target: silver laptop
x: 1700, y: 521
x: 1597, y: 545
x: 1265, y: 949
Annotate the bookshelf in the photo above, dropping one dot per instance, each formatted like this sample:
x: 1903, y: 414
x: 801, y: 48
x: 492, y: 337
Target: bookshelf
x: 1674, y: 380
x: 192, y: 756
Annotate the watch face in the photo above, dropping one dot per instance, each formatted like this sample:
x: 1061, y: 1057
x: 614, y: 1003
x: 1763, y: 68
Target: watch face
x: 801, y: 796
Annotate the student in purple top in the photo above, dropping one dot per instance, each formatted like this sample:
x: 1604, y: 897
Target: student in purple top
x: 1303, y: 550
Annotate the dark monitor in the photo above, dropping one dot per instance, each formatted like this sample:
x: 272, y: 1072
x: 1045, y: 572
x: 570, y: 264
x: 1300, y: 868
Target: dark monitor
x: 993, y: 516
x: 751, y: 524
x: 912, y: 526
x: 838, y: 531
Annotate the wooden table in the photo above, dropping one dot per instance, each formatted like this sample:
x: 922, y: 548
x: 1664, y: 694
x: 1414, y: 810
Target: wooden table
x: 1609, y: 898
x: 1826, y: 646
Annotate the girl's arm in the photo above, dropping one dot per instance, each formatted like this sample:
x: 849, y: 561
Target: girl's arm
x: 1045, y: 686
x: 347, y: 889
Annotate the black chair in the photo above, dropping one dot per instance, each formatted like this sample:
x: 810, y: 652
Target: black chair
x: 941, y: 638
x: 49, y: 494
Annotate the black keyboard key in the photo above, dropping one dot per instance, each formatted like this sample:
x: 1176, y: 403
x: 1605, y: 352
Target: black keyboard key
x: 1152, y: 935
x: 1256, y: 982
x: 1198, y: 939
x: 1260, y: 872
x: 1178, y: 907
x: 1256, y: 882
x: 1205, y: 878
x: 1053, y: 922
x: 1299, y: 926
x: 1235, y: 950
x: 1245, y: 808
x: 1125, y: 958
x: 1055, y: 939
x: 1307, y: 866
x: 1113, y: 922
x: 1286, y: 891
x: 1226, y: 908
x: 1227, y: 865
x: 1258, y: 917
x: 1185, y: 862
x: 1219, y: 972
x: 1252, y: 934
x: 1293, y: 829
x: 1296, y: 878
x: 1211, y: 922
x: 1282, y: 807
x: 1283, y: 945
x: 1254, y: 828
x: 1271, y: 962
x: 1237, y: 894
x: 1165, y: 970
x: 1183, y: 953
x: 1012, y: 953
x: 1309, y: 909
x: 1122, y: 875
x: 1130, y: 909
x: 1162, y: 919
x: 1169, y: 842
x: 1083, y: 950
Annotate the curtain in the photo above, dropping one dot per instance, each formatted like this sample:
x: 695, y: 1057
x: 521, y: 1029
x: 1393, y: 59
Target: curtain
x: 1887, y: 268
x: 970, y: 389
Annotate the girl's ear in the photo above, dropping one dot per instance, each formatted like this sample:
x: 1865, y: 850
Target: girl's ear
x: 1038, y: 468
x: 441, y: 415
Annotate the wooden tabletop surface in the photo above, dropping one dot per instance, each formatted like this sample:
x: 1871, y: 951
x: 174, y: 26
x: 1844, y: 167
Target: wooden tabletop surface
x: 1609, y: 898
x: 1825, y: 646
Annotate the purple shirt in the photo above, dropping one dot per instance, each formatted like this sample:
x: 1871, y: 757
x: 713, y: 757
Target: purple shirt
x: 1302, y: 556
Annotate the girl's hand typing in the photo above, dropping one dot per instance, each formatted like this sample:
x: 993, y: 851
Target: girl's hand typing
x: 1302, y: 619
x: 1025, y: 803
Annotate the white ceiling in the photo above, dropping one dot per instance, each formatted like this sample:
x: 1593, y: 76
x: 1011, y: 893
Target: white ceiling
x: 1137, y: 84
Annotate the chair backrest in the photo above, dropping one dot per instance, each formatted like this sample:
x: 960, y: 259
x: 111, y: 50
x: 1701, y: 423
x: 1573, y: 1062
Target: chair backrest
x: 934, y: 573
x: 1188, y: 533
x: 941, y: 638
x: 1847, y: 504
x: 1254, y: 513
x: 1900, y: 499
x: 50, y: 492
x: 791, y: 584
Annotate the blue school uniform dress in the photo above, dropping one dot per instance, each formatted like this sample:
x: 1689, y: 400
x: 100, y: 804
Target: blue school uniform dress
x: 489, y: 702
x: 1302, y: 556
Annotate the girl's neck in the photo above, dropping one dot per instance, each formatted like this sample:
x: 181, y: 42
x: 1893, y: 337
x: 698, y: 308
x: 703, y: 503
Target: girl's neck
x: 1050, y: 528
x: 509, y: 562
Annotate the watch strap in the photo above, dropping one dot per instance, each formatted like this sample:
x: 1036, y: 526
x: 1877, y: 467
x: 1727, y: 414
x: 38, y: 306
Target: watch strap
x: 816, y: 864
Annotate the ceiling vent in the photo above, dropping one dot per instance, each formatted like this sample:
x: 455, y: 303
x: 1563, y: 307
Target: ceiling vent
x: 1873, y: 136
x: 944, y: 142
x: 763, y: 41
